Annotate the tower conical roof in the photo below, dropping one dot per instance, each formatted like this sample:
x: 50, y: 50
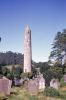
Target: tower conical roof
x: 27, y: 28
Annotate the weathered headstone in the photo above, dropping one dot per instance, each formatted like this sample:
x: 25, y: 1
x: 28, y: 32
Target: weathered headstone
x: 64, y: 77
x: 21, y: 81
x: 41, y: 82
x: 16, y: 82
x: 5, y: 85
x: 36, y: 85
x: 55, y: 83
x: 41, y: 85
x: 32, y: 87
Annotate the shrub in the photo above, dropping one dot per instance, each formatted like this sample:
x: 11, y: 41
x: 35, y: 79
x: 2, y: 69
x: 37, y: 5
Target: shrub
x: 62, y: 83
x: 49, y: 91
x: 26, y: 75
x: 32, y: 97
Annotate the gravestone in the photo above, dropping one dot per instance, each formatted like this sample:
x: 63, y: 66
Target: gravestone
x: 21, y: 81
x: 64, y: 77
x: 41, y: 85
x: 55, y: 83
x: 36, y: 85
x: 32, y: 87
x: 5, y: 85
x: 18, y: 82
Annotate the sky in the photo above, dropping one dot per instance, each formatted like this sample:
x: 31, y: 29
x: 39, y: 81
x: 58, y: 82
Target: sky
x: 44, y: 17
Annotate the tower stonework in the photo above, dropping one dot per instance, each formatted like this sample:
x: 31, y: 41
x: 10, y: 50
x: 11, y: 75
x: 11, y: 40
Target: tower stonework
x: 27, y: 50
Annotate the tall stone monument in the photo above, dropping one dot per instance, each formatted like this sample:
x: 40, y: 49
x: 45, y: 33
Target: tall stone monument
x: 27, y: 50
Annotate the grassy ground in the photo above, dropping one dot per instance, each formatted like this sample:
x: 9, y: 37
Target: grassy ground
x: 22, y: 94
x: 19, y: 93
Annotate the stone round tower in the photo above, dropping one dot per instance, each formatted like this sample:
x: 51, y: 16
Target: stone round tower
x: 27, y: 50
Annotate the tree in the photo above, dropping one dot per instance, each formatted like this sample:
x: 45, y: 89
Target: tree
x: 52, y: 72
x: 59, y: 45
x: 10, y: 58
x: 44, y: 67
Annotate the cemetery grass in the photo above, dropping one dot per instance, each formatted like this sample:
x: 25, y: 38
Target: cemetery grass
x: 20, y: 93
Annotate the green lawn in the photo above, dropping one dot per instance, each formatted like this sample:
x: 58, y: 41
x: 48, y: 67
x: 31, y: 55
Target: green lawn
x: 22, y: 94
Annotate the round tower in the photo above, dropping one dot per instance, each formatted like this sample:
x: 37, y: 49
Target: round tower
x: 27, y: 50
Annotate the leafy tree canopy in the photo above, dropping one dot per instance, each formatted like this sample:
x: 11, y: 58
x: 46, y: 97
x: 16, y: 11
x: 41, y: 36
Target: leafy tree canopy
x: 59, y: 45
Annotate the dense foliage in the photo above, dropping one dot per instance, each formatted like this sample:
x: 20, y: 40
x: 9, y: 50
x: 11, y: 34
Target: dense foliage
x: 49, y: 91
x: 10, y: 58
x: 59, y: 45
